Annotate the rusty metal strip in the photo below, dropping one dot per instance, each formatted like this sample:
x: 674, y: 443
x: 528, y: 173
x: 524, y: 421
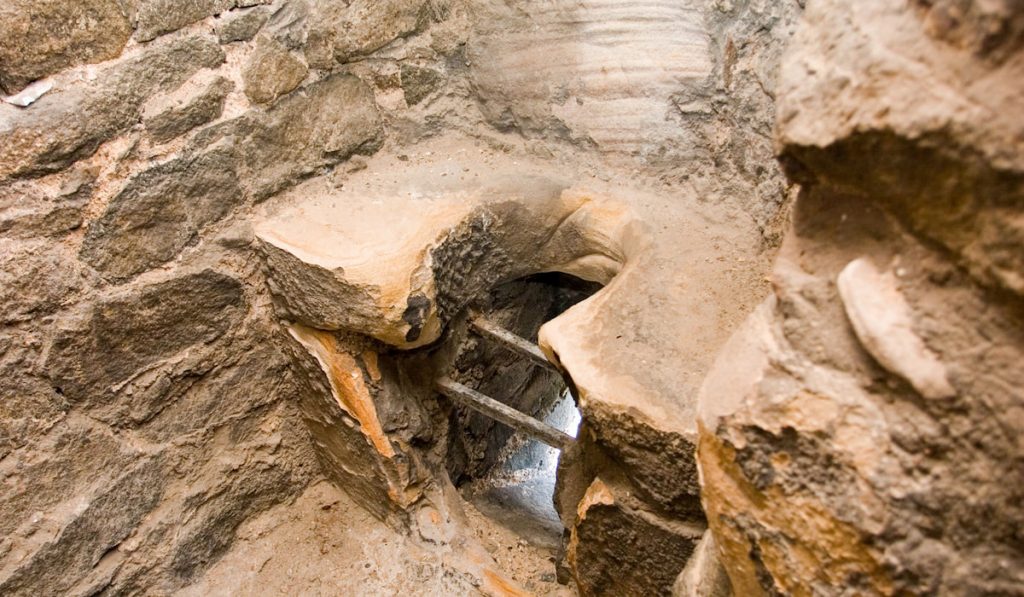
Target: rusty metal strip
x: 503, y: 413
x: 512, y: 341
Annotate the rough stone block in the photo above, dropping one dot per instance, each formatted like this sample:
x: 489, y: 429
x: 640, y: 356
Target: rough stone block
x: 160, y: 211
x: 26, y: 211
x: 617, y: 549
x: 196, y: 103
x: 208, y: 527
x: 41, y: 37
x: 154, y: 18
x: 243, y: 26
x: 661, y: 464
x: 64, y: 127
x: 419, y: 82
x: 36, y: 278
x: 302, y: 133
x: 51, y: 467
x: 272, y: 71
x: 105, y: 521
x: 345, y: 31
x: 114, y: 338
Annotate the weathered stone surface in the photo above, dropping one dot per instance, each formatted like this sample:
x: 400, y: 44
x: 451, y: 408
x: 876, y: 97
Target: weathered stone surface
x: 419, y: 82
x: 302, y: 133
x: 160, y: 211
x: 36, y: 278
x: 272, y: 71
x: 78, y: 456
x: 208, y: 400
x: 29, y: 407
x: 42, y: 37
x: 25, y: 212
x: 341, y: 412
x: 571, y: 70
x: 216, y: 513
x: 856, y: 432
x: 704, y: 575
x: 934, y: 143
x: 109, y: 342
x: 61, y: 128
x: 883, y: 323
x: 661, y: 464
x: 92, y: 533
x: 346, y: 31
x: 201, y: 101
x: 243, y: 26
x: 617, y: 549
x: 157, y: 17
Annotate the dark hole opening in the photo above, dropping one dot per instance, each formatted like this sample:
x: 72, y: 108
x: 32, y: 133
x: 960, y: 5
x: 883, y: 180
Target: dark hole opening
x: 506, y: 475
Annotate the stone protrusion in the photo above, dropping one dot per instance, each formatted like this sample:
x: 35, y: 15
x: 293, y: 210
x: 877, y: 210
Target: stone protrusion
x: 882, y: 320
x: 616, y: 548
x: 856, y: 430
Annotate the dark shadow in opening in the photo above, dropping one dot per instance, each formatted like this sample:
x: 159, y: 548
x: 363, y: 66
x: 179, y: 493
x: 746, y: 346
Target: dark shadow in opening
x: 507, y: 476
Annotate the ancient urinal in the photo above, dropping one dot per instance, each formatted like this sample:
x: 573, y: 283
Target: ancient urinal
x: 376, y: 287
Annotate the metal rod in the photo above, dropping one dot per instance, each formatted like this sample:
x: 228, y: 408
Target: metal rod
x: 503, y: 413
x: 512, y: 341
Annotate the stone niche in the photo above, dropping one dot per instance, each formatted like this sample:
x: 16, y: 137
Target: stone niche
x: 377, y: 296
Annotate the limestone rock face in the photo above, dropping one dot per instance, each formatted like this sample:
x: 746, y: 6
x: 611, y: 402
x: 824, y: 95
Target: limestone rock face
x: 591, y: 60
x: 857, y: 431
x: 937, y: 144
x: 43, y: 36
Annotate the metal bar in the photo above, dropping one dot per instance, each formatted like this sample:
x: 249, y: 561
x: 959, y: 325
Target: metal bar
x: 512, y: 341
x: 503, y: 413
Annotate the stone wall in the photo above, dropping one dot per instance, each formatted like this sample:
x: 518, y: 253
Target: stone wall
x: 149, y: 404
